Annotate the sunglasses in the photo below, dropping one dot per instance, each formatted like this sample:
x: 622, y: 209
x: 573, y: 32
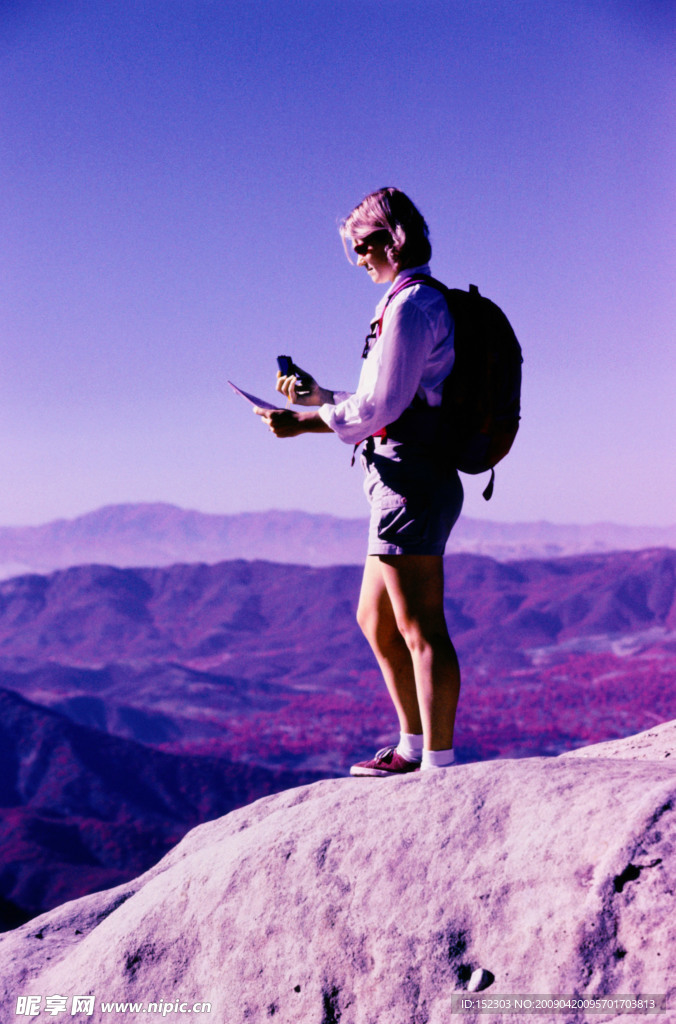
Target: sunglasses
x: 380, y: 237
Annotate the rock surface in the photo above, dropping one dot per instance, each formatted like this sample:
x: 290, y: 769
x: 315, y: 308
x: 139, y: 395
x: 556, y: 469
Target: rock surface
x: 655, y: 744
x: 364, y: 901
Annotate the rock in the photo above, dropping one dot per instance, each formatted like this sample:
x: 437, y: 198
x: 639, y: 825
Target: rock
x: 363, y: 901
x: 479, y: 980
x: 652, y: 745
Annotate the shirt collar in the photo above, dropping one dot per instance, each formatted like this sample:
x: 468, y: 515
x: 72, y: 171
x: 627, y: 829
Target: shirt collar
x: 407, y: 272
x: 403, y: 275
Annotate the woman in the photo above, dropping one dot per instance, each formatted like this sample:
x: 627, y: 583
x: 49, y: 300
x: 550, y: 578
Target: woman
x: 415, y: 499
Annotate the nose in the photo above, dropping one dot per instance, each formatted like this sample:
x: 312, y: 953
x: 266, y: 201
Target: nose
x: 361, y: 260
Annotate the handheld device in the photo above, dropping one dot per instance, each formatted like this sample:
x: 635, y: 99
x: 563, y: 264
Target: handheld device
x: 285, y: 364
x: 287, y: 367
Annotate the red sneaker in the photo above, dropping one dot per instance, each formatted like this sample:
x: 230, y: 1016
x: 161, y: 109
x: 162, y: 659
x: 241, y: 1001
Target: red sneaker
x: 386, y: 762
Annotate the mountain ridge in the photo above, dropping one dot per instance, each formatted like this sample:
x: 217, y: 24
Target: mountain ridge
x: 139, y: 534
x: 81, y: 810
x: 201, y: 658
x: 221, y: 682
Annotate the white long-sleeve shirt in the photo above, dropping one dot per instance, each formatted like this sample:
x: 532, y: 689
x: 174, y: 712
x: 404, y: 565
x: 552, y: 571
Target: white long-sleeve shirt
x: 413, y: 356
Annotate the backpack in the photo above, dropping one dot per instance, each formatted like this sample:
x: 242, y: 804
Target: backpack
x: 481, y: 401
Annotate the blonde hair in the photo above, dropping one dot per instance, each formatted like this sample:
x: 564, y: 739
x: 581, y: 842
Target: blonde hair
x: 390, y: 210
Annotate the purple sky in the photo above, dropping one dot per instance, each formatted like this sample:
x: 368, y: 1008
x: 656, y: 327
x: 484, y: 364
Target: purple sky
x: 172, y: 173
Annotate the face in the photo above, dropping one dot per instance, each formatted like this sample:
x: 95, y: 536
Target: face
x: 370, y: 252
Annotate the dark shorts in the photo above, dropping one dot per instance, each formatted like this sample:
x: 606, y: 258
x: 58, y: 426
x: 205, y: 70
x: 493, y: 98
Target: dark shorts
x: 415, y: 500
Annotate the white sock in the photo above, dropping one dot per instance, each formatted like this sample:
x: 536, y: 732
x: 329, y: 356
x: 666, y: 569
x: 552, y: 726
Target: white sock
x: 410, y: 746
x: 437, y: 759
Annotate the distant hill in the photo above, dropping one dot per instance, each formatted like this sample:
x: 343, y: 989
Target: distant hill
x: 261, y: 662
x: 160, y: 534
x: 81, y: 810
x: 138, y: 701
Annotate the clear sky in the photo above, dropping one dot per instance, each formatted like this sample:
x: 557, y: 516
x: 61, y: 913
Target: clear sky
x: 171, y: 177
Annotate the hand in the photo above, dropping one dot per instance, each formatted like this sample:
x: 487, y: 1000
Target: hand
x: 288, y: 423
x: 282, y: 422
x: 312, y: 393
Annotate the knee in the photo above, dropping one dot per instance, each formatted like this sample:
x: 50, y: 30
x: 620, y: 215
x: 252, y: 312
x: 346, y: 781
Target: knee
x: 424, y: 636
x: 414, y: 637
x: 367, y: 620
x: 380, y: 633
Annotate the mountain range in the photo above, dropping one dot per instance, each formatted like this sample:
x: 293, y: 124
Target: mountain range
x: 203, y: 658
x: 161, y: 534
x: 137, y: 702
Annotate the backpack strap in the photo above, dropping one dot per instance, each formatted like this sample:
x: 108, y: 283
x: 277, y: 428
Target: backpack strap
x: 377, y: 328
x: 409, y: 282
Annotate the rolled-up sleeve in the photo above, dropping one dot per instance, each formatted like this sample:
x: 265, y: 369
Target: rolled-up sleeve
x: 390, y: 375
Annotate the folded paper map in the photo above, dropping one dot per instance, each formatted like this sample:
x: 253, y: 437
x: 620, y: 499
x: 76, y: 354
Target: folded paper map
x: 260, y: 402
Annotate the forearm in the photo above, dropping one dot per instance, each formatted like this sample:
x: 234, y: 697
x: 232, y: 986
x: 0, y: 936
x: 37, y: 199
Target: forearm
x: 317, y: 396
x: 326, y: 397
x: 291, y: 422
x: 312, y: 423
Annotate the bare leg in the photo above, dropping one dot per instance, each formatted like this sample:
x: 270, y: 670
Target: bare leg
x: 378, y: 624
x: 415, y: 587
